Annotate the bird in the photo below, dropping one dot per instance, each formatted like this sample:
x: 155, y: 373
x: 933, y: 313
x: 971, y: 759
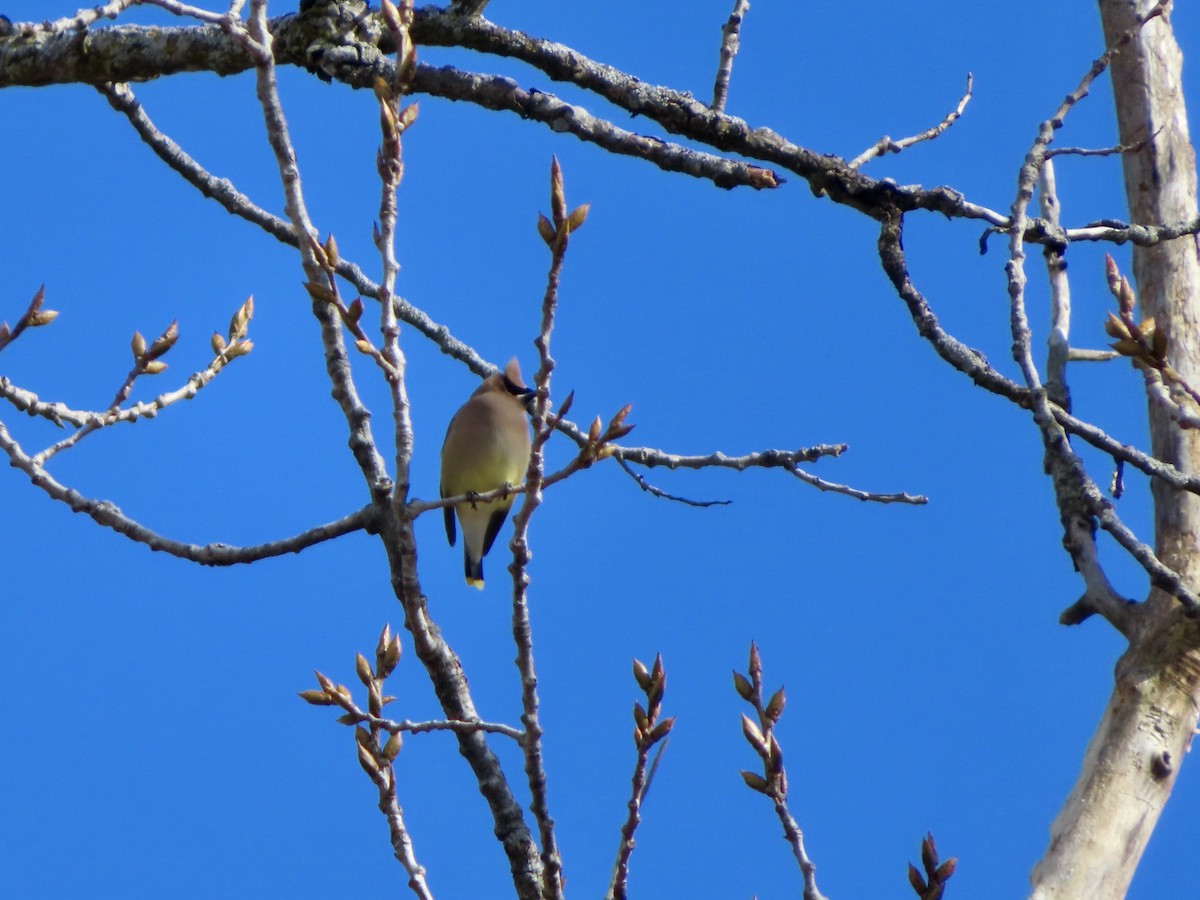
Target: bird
x: 486, y: 447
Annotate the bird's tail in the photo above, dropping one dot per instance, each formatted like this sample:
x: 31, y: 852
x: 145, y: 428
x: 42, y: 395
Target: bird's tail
x: 473, y: 569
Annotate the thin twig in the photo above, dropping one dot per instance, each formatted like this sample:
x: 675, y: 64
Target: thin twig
x: 648, y: 731
x: 535, y: 770
x: 1052, y: 152
x: 1116, y: 232
x: 402, y: 845
x: 833, y: 487
x: 258, y: 42
x: 1077, y: 496
x: 773, y: 782
x: 186, y: 10
x: 81, y: 20
x: 60, y: 414
x: 377, y: 756
x: 976, y: 367
x: 1059, y: 339
x: 389, y: 162
x: 33, y: 317
x: 1078, y: 354
x: 121, y: 98
x: 147, y: 361
x: 652, y: 458
x: 886, y: 145
x: 358, y: 716
x: 661, y: 494
x: 729, y: 48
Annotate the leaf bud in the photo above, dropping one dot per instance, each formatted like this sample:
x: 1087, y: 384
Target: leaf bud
x: 546, y: 230
x: 662, y: 729
x: 42, y: 317
x: 915, y: 879
x: 641, y: 674
x: 755, y: 782
x: 577, y: 217
x: 316, y: 698
x: 754, y: 736
x: 741, y: 684
x: 558, y: 201
x: 775, y: 705
x: 367, y: 761
x: 392, y: 748
x: 362, y: 668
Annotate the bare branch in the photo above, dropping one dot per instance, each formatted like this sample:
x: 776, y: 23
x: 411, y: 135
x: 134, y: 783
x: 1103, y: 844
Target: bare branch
x: 402, y: 846
x: 1079, y: 535
x: 651, y: 458
x: 1103, y: 151
x: 1076, y: 354
x: 660, y: 493
x: 393, y: 122
x: 1161, y: 576
x: 108, y: 515
x: 833, y: 487
x: 258, y: 43
x: 729, y: 49
x: 496, y: 92
x: 972, y: 364
x: 1126, y: 453
x: 1060, y: 295
x: 122, y: 99
x: 886, y: 145
x: 1139, y: 235
x: 81, y: 19
x: 135, y: 53
x: 1077, y: 496
x: 60, y: 413
x: 186, y: 10
x: 560, y: 226
x: 144, y: 359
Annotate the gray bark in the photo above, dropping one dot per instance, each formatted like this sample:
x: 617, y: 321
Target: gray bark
x: 1130, y: 766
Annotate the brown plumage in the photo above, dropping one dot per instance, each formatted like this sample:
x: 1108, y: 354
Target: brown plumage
x: 486, y: 447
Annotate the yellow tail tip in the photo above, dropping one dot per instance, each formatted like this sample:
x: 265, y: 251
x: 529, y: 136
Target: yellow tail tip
x: 476, y: 583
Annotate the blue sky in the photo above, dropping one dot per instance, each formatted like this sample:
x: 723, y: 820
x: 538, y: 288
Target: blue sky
x: 153, y: 744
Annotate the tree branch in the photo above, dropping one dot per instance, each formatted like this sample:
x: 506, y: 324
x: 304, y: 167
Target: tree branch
x: 886, y: 145
x: 108, y: 515
x: 396, y: 530
x: 560, y: 226
x: 729, y: 49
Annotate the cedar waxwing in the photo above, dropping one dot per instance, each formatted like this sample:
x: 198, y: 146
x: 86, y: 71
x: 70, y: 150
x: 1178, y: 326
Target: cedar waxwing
x: 486, y: 447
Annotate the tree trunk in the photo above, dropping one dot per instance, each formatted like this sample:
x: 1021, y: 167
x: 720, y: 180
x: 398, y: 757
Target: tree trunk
x: 1130, y: 766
